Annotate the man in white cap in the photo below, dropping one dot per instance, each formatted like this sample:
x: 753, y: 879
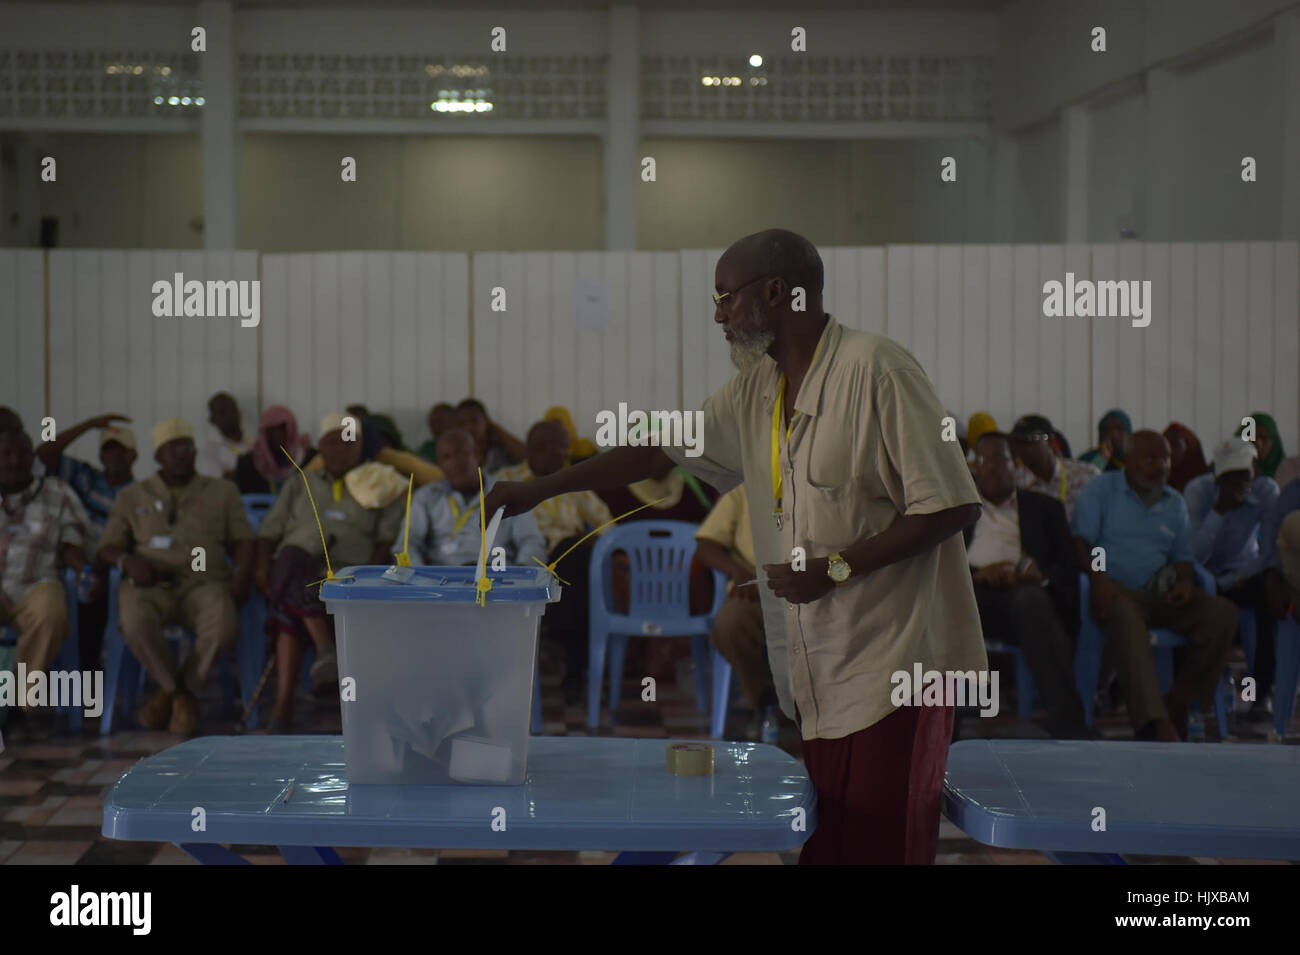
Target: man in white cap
x: 1230, y: 510
x: 170, y: 535
x: 97, y: 487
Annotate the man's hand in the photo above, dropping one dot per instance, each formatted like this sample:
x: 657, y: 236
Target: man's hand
x: 999, y: 576
x: 1104, y: 448
x: 1030, y: 575
x: 749, y: 593
x: 1180, y: 593
x: 98, y: 584
x: 800, y: 586
x: 1104, y: 592
x: 105, y: 420
x: 517, y: 497
x: 137, y: 569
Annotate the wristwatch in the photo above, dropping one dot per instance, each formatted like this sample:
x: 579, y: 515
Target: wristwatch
x: 838, y: 570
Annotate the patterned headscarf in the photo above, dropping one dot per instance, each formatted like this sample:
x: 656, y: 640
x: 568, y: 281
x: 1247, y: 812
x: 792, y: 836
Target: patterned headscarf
x: 270, y: 462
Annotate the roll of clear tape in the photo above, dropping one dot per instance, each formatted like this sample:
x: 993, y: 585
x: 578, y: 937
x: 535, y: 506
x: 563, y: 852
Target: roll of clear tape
x: 690, y: 759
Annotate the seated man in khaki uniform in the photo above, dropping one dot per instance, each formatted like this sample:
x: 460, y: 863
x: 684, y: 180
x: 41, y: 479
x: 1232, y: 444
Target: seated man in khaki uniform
x: 44, y: 524
x: 151, y: 536
x: 725, y: 542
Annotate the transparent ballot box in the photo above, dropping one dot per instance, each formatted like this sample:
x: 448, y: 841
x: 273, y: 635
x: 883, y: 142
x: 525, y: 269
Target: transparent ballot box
x: 437, y: 689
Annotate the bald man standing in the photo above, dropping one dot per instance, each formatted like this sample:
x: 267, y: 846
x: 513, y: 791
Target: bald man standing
x: 836, y: 435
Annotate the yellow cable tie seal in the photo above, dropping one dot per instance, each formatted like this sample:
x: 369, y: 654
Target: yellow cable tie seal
x: 550, y: 568
x: 311, y: 500
x: 404, y: 558
x: 484, y: 583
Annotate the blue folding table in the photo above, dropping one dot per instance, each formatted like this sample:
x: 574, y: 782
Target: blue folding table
x: 580, y: 793
x: 1238, y: 801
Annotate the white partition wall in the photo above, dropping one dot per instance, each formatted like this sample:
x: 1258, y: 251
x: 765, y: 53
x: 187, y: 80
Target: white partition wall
x: 1222, y: 340
x: 22, y: 327
x: 385, y: 329
x: 108, y: 352
x: 533, y: 355
x: 396, y: 331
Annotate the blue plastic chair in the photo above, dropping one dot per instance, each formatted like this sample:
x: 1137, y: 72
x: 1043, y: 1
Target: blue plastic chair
x: 1025, y: 691
x: 256, y: 506
x: 1287, y: 676
x: 68, y: 658
x: 1288, y: 673
x: 1087, y: 656
x: 659, y: 559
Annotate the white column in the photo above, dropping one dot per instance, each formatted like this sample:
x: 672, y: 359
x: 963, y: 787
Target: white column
x: 1286, y: 44
x: 1075, y: 127
x: 1006, y: 159
x: 622, y: 166
x: 219, y: 132
x: 27, y: 177
x: 1157, y: 221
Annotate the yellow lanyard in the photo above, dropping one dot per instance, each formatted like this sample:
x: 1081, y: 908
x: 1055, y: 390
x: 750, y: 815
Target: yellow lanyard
x: 460, y: 518
x: 1063, y: 480
x: 338, y: 490
x: 776, y: 431
x: 776, y: 447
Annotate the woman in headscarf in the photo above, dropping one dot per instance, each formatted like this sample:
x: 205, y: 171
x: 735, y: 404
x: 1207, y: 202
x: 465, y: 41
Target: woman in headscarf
x: 1272, y: 461
x: 1108, y: 455
x: 1187, y: 460
x: 579, y: 448
x: 264, y: 469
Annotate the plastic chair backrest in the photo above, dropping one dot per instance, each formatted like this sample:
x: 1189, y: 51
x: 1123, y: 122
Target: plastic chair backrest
x: 256, y: 506
x: 659, y: 558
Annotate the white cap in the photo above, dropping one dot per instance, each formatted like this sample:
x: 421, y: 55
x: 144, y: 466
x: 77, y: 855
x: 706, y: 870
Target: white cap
x: 1234, y: 455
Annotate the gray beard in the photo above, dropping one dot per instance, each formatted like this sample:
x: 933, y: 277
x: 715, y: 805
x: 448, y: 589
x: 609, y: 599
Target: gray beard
x: 746, y: 353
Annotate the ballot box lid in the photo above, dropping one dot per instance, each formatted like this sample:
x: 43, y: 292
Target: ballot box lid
x: 442, y: 585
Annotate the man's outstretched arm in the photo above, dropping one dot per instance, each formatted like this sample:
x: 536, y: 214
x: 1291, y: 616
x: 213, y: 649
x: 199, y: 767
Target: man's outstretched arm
x: 616, y: 468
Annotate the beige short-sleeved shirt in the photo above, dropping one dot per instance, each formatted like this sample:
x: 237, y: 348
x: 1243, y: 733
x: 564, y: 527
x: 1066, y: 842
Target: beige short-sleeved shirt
x: 351, y: 530
x: 728, y: 525
x: 865, y: 447
x: 150, y: 520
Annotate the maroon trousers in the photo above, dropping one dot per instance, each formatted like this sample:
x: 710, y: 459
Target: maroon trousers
x: 879, y: 790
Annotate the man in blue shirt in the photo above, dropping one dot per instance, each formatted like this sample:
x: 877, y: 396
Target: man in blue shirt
x: 97, y: 487
x: 445, y: 518
x: 1129, y: 526
x: 1228, y: 509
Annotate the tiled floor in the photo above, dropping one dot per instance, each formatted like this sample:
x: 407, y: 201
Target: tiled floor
x: 51, y: 789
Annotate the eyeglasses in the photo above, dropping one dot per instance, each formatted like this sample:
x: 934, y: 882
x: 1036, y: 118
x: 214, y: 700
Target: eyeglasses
x: 1034, y: 436
x: 719, y: 299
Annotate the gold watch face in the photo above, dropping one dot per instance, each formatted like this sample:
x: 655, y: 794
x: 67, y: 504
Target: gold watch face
x: 839, y: 570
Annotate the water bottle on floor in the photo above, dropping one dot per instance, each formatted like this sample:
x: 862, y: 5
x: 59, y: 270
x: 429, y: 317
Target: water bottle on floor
x: 1195, y: 724
x: 769, y: 732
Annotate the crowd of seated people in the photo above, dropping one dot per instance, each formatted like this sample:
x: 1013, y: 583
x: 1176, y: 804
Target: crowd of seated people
x: 1136, y: 514
x: 1144, y: 510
